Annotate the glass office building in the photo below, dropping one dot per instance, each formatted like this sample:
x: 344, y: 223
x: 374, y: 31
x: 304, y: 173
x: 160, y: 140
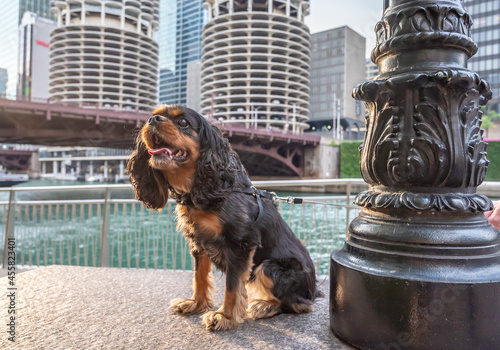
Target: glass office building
x: 10, y: 19
x: 3, y: 81
x: 179, y: 40
x: 486, y: 33
x: 40, y: 7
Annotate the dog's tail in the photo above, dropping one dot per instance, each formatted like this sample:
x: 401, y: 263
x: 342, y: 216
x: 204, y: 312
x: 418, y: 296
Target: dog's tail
x: 318, y: 293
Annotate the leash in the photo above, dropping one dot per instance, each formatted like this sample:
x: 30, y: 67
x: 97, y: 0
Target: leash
x: 259, y: 194
x: 295, y: 200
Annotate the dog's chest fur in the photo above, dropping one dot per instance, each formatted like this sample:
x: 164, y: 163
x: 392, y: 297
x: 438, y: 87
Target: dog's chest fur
x: 204, y: 233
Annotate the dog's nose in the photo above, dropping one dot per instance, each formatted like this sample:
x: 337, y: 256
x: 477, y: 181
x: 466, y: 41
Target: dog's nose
x: 156, y: 119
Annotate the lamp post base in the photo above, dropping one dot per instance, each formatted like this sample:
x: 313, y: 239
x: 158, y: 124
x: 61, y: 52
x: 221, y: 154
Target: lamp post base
x: 374, y: 304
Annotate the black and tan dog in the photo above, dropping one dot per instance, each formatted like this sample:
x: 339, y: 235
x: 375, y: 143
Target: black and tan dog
x: 180, y: 154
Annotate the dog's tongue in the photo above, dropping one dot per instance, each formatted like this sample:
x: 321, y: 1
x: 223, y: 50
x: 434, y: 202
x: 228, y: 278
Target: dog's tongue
x: 160, y: 151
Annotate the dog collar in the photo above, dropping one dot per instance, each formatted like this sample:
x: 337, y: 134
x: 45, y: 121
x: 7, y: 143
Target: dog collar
x: 181, y: 198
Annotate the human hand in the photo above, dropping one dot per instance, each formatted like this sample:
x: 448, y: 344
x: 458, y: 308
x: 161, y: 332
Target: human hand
x: 493, y: 216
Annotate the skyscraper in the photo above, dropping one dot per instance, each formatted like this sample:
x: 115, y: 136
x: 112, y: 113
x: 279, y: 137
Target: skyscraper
x: 40, y: 7
x: 179, y: 39
x: 3, y: 81
x: 338, y: 65
x: 10, y: 17
x: 34, y: 51
x: 371, y: 69
x: 486, y: 33
x: 255, y: 63
x: 103, y: 54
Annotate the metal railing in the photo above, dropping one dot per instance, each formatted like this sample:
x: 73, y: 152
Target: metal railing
x: 102, y: 225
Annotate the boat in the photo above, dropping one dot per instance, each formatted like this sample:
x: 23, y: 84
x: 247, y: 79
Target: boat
x: 7, y: 180
x: 65, y: 177
x: 95, y: 178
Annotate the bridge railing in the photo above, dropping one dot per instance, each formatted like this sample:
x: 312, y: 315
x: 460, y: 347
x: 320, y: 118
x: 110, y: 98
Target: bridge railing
x: 103, y: 226
x: 234, y: 127
x: 24, y: 98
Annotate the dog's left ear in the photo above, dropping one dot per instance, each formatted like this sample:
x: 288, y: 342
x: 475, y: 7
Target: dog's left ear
x: 217, y: 168
x: 149, y: 184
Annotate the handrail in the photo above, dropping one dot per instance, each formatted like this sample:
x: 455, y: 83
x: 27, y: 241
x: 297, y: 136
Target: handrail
x: 65, y: 188
x: 126, y: 201
x: 263, y: 184
x: 266, y: 184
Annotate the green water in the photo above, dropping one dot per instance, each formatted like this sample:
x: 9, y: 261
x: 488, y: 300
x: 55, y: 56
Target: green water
x: 70, y: 234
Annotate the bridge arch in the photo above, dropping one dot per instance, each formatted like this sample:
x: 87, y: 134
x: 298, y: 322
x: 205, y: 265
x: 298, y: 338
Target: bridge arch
x: 274, y: 160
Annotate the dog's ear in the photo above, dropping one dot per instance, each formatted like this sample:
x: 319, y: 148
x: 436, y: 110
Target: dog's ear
x: 217, y: 169
x: 149, y: 184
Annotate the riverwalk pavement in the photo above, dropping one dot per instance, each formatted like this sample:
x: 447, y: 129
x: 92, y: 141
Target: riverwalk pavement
x: 68, y: 307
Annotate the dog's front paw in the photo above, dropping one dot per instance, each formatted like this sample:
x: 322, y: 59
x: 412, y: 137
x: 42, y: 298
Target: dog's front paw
x: 190, y: 306
x: 215, y: 321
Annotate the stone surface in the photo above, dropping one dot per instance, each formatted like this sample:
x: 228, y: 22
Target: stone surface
x: 66, y: 307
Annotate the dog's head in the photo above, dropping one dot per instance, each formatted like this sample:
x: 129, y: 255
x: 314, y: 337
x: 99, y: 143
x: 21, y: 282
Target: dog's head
x: 180, y: 148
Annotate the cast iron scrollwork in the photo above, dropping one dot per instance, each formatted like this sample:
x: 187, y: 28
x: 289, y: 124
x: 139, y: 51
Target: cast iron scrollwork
x: 429, y: 26
x: 433, y: 140
x: 424, y: 201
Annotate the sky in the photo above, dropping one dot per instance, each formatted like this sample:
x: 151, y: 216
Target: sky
x: 360, y: 15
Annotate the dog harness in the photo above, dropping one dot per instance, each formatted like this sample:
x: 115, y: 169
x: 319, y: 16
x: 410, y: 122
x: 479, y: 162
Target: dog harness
x: 258, y: 194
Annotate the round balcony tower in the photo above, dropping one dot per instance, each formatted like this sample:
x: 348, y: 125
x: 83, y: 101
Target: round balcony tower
x: 256, y: 63
x: 103, y: 54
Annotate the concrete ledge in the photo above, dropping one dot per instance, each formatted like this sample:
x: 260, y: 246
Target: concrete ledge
x: 66, y: 307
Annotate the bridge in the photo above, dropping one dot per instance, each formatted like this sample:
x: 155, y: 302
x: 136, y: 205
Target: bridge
x: 263, y: 151
x: 15, y: 159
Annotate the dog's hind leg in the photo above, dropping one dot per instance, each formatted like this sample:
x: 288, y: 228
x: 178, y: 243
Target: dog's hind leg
x: 302, y: 308
x: 263, y: 309
x: 202, y: 285
x: 263, y: 304
x: 289, y: 282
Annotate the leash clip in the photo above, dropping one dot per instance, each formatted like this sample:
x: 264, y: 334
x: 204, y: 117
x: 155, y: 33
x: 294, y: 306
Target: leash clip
x: 275, y: 196
x: 254, y: 190
x: 288, y: 199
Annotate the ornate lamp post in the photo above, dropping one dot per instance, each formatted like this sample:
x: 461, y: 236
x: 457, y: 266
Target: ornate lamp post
x: 421, y: 265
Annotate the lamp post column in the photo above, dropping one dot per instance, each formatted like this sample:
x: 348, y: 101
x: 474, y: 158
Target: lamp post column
x: 420, y: 268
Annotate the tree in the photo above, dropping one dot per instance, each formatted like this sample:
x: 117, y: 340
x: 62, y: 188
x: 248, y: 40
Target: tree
x: 488, y: 119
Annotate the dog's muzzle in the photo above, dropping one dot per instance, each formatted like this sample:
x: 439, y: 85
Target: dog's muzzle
x: 156, y: 119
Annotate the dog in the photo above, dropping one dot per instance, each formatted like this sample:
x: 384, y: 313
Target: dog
x: 225, y: 220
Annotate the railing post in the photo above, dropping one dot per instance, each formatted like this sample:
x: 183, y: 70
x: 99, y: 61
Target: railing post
x: 9, y: 227
x: 348, y: 202
x: 420, y: 269
x: 104, y: 260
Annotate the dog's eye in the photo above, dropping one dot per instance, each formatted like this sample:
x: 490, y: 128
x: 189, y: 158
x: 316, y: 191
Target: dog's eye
x: 182, y: 123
